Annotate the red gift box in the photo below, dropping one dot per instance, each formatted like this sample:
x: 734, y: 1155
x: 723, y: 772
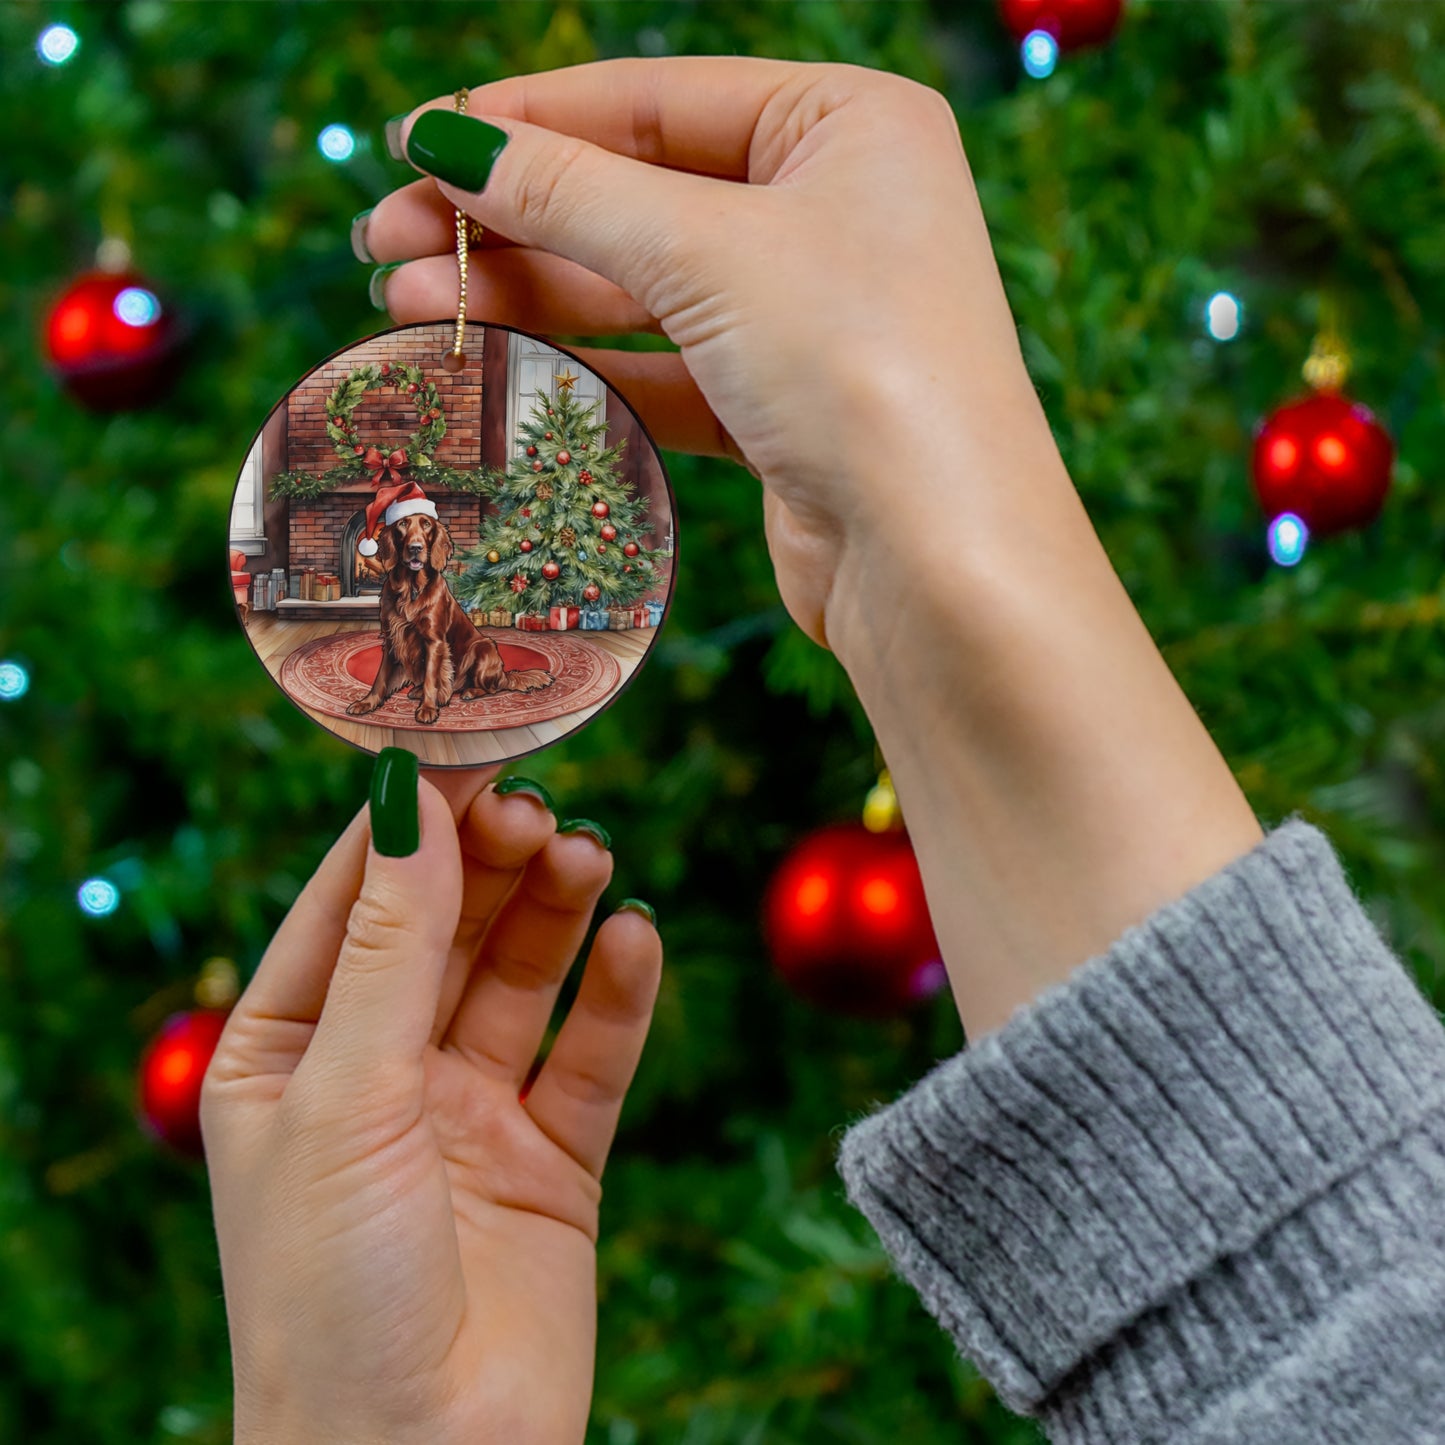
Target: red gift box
x: 531, y: 622
x: 560, y: 619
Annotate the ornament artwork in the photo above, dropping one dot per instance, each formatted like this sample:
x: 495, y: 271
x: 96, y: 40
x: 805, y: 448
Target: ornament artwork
x: 112, y: 342
x: 1073, y: 24
x: 1323, y: 458
x: 600, y: 509
x: 382, y: 496
x: 847, y: 923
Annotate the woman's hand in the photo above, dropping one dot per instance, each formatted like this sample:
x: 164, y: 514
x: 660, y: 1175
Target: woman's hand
x: 808, y: 235
x: 407, y: 1246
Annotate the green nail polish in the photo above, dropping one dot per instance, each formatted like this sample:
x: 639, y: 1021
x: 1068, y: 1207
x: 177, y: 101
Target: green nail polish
x: 455, y: 148
x: 395, y: 812
x: 392, y: 132
x: 636, y: 905
x: 376, y: 287
x: 586, y: 825
x: 525, y: 785
x: 359, y: 247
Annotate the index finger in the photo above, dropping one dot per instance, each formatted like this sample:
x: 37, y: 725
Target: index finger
x: 699, y: 113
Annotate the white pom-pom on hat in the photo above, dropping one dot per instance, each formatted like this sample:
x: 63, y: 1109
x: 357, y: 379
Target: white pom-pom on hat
x: 367, y: 547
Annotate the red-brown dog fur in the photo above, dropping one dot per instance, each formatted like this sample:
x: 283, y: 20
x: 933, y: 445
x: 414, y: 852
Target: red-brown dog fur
x: 427, y: 642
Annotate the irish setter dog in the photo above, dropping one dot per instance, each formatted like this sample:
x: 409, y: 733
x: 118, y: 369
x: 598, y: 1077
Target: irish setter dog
x: 427, y: 642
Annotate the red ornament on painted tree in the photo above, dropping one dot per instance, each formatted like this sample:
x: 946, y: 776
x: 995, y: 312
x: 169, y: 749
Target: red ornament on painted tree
x: 600, y: 509
x: 1324, y: 458
x: 1073, y: 23
x: 847, y: 923
x: 551, y: 571
x: 112, y: 342
x: 171, y: 1071
x: 608, y: 532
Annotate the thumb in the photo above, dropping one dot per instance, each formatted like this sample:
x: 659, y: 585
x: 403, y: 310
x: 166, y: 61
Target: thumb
x: 382, y: 1000
x: 633, y: 223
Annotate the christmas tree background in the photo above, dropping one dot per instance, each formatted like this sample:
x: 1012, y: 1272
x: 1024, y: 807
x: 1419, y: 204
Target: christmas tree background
x: 1282, y: 153
x: 562, y: 529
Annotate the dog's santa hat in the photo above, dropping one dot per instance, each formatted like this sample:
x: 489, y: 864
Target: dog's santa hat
x: 401, y: 500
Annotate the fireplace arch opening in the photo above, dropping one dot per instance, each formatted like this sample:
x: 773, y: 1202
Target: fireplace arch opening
x: 356, y: 581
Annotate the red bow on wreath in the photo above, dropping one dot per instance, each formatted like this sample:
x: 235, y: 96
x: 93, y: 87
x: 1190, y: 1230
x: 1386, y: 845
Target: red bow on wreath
x: 387, y: 468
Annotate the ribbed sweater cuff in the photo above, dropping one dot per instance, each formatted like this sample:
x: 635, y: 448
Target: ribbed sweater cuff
x: 1158, y: 1156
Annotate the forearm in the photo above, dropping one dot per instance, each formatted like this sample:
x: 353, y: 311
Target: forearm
x: 1056, y: 782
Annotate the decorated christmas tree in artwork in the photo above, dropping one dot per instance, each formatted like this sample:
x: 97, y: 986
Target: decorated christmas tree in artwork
x: 567, y: 530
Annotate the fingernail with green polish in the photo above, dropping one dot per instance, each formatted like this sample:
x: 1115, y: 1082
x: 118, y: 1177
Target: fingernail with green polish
x: 359, y: 247
x: 636, y: 905
x: 392, y: 131
x: 455, y: 148
x: 586, y: 825
x: 525, y: 785
x: 395, y: 812
x: 376, y: 287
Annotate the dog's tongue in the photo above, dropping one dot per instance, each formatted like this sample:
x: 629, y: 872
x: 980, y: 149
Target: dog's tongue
x: 414, y: 563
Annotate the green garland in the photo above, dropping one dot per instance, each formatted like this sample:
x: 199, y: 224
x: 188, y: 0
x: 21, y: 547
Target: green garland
x: 431, y: 428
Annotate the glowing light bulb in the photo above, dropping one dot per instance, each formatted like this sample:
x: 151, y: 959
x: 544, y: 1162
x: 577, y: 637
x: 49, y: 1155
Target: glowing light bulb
x: 137, y: 307
x: 1040, y: 54
x: 1288, y: 538
x: 1223, y: 316
x: 336, y: 143
x: 57, y: 44
x: 14, y: 681
x: 98, y: 897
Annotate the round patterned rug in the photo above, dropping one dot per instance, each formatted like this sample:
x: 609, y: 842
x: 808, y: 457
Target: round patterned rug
x: 330, y: 673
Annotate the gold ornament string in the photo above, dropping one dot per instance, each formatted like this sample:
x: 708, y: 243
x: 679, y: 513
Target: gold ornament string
x: 468, y: 231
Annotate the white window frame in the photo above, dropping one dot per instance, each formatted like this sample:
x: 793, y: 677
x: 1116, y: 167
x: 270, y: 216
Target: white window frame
x: 529, y: 363
x: 248, y: 517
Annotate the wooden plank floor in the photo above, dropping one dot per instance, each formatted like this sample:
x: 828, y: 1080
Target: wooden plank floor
x: 275, y: 640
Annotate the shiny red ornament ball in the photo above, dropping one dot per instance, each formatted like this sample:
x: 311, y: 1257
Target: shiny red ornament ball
x: 170, y: 1075
x: 600, y: 509
x: 627, y: 569
x: 112, y: 342
x: 550, y: 412
x: 547, y: 435
x: 386, y: 368
x: 563, y: 457
x: 531, y: 451
x: 601, y: 548
x: 847, y: 923
x: 608, y: 532
x: 536, y: 466
x: 359, y: 451
x: 1324, y: 458
x: 551, y: 571
x: 412, y: 389
x: 631, y: 549
x: 524, y: 545
x: 591, y: 592
x: 1073, y: 23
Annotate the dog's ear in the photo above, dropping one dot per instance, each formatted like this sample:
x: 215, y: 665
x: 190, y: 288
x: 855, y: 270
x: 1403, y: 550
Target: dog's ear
x: 441, y: 547
x: 386, y: 547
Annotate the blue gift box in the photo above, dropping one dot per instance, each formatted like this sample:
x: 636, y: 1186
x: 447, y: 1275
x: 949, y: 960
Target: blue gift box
x: 594, y: 618
x: 654, y: 613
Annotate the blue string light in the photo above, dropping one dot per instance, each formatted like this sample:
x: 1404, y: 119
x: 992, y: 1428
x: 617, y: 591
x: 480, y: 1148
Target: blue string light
x: 98, y: 897
x: 57, y: 44
x: 336, y: 143
x: 1040, y: 54
x: 14, y: 681
x: 1288, y: 538
x: 137, y: 307
x: 1223, y: 316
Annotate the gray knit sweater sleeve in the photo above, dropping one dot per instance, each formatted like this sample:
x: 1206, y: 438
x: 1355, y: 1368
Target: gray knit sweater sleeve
x: 1196, y: 1192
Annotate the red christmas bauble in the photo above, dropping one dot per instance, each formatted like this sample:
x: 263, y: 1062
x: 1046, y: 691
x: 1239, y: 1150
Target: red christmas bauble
x: 386, y: 368
x: 630, y: 549
x: 847, y: 924
x: 550, y: 412
x: 524, y: 545
x: 531, y: 451
x: 1073, y: 23
x: 536, y: 466
x: 551, y: 571
x: 170, y: 1075
x: 111, y: 341
x: 434, y: 413
x: 608, y: 532
x: 1324, y: 458
x: 412, y: 389
x: 591, y: 592
x: 547, y: 435
x: 601, y: 548
x: 563, y: 457
x: 359, y: 451
x: 600, y: 509
x: 627, y: 569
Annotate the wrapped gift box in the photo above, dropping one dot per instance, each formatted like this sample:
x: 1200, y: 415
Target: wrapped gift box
x: 477, y: 617
x: 241, y: 586
x: 531, y: 622
x: 561, y: 619
x: 639, y: 615
x: 654, y: 614
x: 593, y: 619
x: 499, y: 617
x: 620, y: 619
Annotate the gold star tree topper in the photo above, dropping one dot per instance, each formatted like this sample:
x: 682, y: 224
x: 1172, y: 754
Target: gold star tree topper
x: 565, y: 381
